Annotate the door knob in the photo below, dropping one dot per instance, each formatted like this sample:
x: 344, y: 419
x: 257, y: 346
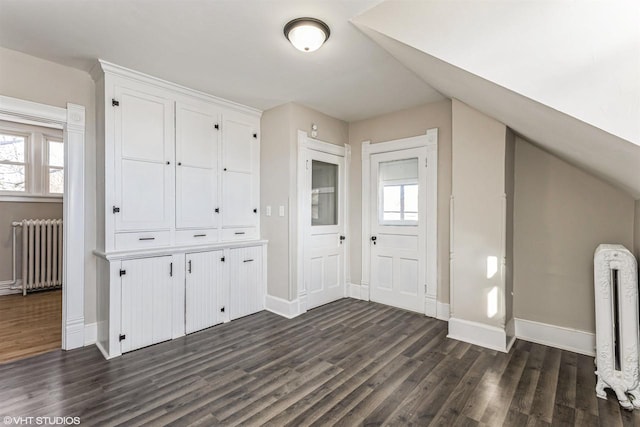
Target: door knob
x: 373, y: 239
x: 342, y: 238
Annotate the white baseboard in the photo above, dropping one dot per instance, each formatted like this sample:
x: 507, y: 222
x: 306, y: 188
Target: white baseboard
x: 354, y: 290
x: 491, y: 337
x: 556, y: 336
x: 442, y: 311
x: 90, y: 333
x: 5, y: 287
x: 431, y: 307
x: 282, y: 307
x: 364, y: 292
x: 74, y: 334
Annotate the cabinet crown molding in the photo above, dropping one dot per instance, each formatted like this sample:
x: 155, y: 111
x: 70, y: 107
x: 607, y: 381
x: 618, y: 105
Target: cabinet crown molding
x: 104, y: 67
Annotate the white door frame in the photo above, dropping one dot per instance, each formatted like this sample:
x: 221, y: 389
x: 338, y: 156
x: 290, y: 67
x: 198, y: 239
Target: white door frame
x: 306, y: 143
x: 429, y: 140
x: 72, y: 122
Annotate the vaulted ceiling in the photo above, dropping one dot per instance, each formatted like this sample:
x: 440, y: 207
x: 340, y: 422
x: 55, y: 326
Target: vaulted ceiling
x: 565, y: 75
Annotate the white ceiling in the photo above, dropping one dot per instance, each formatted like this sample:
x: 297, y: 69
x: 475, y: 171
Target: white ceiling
x: 232, y: 49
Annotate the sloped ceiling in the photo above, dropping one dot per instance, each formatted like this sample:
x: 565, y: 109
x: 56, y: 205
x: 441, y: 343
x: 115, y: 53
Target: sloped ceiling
x: 231, y: 48
x: 542, y: 68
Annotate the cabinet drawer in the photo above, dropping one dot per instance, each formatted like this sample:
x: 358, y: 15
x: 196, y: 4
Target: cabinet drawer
x: 231, y: 234
x: 194, y: 237
x: 140, y: 240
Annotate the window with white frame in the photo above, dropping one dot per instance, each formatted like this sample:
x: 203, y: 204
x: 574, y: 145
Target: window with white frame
x: 31, y: 162
x: 398, y: 184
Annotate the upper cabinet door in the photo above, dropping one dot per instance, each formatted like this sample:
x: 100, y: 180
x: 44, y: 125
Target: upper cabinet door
x: 241, y: 170
x: 197, y: 154
x: 144, y: 144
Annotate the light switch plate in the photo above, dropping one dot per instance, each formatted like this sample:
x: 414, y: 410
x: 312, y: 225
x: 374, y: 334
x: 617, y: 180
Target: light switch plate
x: 281, y: 210
x: 268, y: 210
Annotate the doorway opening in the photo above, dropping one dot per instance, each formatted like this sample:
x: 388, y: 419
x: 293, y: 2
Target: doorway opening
x: 31, y: 247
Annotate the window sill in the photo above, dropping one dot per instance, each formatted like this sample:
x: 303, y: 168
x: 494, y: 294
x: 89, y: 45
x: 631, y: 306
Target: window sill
x: 30, y: 198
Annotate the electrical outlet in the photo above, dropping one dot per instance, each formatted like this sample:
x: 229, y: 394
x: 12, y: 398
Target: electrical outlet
x: 268, y: 210
x: 281, y: 210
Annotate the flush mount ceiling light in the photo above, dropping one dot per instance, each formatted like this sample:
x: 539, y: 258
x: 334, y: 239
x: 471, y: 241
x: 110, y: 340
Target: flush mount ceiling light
x: 306, y: 34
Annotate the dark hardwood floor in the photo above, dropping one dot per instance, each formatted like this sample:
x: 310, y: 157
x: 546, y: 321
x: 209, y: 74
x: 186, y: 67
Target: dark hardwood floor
x: 347, y: 363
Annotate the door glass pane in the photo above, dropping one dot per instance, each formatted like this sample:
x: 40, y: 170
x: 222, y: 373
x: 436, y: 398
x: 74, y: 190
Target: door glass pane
x: 12, y: 177
x: 12, y: 148
x: 324, y: 193
x: 398, y: 184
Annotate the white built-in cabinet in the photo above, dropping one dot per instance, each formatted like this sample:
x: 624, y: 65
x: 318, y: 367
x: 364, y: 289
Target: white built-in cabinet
x: 178, y: 179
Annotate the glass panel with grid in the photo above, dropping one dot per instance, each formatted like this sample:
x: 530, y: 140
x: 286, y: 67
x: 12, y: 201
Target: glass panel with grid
x: 12, y: 162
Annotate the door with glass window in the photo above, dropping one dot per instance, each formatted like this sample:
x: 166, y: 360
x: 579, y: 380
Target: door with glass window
x: 398, y: 224
x: 325, y: 239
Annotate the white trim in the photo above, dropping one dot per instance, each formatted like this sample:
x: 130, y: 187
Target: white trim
x: 105, y: 354
x: 430, y: 307
x: 282, y: 307
x: 442, y: 311
x: 90, y: 333
x: 354, y: 291
x: 364, y: 292
x: 30, y: 198
x: 430, y: 141
x: 556, y: 336
x: 33, y: 113
x: 487, y: 336
x: 72, y: 121
x: 6, y: 289
x: 110, y: 68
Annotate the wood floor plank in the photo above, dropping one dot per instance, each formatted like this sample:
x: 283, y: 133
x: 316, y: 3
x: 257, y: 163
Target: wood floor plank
x: 346, y: 363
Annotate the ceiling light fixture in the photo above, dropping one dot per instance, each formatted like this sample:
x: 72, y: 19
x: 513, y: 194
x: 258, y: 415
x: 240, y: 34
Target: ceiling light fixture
x: 306, y: 34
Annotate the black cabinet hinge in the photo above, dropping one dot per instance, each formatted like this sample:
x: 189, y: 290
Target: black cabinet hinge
x: 123, y: 272
x: 116, y: 209
x: 222, y: 310
x: 216, y: 126
x: 115, y: 103
x: 255, y: 135
x: 222, y: 259
x: 122, y: 337
x: 217, y: 210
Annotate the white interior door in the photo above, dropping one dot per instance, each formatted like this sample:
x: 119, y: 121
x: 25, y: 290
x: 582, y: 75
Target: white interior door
x: 324, y: 276
x: 398, y: 228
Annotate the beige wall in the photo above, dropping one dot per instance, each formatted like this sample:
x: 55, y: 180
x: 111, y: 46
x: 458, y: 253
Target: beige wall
x: 509, y: 169
x: 17, y: 211
x: 27, y: 77
x: 278, y: 183
x: 561, y: 215
x: 274, y: 192
x: 403, y: 124
x: 479, y: 185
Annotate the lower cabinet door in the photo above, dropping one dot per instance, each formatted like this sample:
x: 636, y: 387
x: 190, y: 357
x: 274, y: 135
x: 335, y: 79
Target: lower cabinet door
x: 246, y: 291
x: 203, y: 280
x: 147, y: 299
